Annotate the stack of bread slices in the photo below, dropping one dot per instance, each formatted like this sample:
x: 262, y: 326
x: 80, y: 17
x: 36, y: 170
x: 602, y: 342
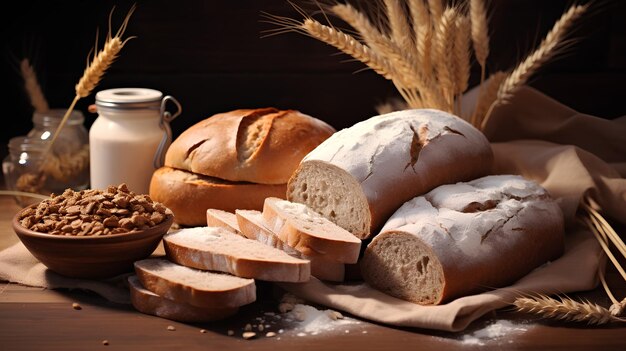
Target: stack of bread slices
x: 210, y: 271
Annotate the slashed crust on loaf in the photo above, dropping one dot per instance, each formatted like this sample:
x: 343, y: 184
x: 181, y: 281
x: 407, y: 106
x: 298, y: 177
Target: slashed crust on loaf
x: 253, y: 226
x: 308, y: 232
x: 462, y: 238
x: 189, y: 195
x: 359, y: 176
x: 194, y: 287
x: 262, y: 145
x: 217, y: 249
x: 147, y: 302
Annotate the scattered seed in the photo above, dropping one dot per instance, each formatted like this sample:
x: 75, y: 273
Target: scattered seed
x: 203, y: 331
x: 365, y: 332
x: 270, y: 334
x: 261, y: 327
x: 105, y: 342
x: 248, y: 335
x: 171, y: 328
x: 248, y: 327
x: 77, y: 306
x: 231, y: 333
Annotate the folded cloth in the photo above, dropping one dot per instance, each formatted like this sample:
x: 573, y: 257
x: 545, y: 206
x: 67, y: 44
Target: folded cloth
x: 568, y: 153
x: 18, y: 265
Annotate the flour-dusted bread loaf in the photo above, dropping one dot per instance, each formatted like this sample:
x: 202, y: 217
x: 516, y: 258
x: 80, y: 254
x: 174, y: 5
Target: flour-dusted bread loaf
x: 147, y: 302
x: 359, y: 176
x: 218, y: 249
x: 462, y: 238
x: 308, y: 232
x: 189, y: 195
x: 224, y: 219
x: 262, y: 145
x: 253, y: 226
x: 194, y: 287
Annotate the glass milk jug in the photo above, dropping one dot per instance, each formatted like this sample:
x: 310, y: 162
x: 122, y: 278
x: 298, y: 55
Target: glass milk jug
x: 129, y: 138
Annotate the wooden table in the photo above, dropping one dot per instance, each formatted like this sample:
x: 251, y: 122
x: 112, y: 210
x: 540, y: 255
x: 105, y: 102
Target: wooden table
x: 41, y: 319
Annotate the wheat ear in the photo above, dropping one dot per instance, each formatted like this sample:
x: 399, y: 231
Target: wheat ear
x: 547, y: 49
x: 565, y: 309
x: 436, y: 11
x: 95, y: 69
x: 461, y: 57
x: 444, y: 45
x: 33, y: 89
x: 422, y: 31
x: 399, y: 25
x: 350, y: 46
x: 480, y: 34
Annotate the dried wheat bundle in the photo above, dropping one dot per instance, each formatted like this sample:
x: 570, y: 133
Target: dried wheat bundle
x: 565, y: 309
x: 33, y: 89
x: 426, y: 48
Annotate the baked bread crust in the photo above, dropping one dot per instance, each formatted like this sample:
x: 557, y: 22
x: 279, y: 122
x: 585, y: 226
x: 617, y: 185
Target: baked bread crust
x: 464, y: 238
x: 263, y: 145
x: 360, y: 175
x: 189, y: 195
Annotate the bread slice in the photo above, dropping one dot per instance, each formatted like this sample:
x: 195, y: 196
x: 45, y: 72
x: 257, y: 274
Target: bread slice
x: 309, y: 232
x: 463, y: 238
x: 224, y: 219
x: 253, y: 226
x: 217, y: 249
x: 147, y: 302
x: 360, y: 175
x: 194, y: 287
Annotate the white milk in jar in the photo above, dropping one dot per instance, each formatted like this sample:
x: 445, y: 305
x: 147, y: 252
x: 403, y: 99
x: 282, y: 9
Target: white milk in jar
x: 129, y: 138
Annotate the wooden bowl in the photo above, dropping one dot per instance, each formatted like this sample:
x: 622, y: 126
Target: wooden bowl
x: 91, y: 257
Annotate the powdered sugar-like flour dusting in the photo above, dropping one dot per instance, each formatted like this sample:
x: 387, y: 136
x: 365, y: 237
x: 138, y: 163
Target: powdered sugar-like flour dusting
x: 493, y: 331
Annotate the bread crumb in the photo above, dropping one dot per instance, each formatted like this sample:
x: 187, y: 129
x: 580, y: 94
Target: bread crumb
x: 365, y: 332
x: 230, y: 333
x: 270, y: 334
x: 280, y: 331
x: 203, y: 331
x: 301, y: 334
x: 346, y: 331
x: 171, y: 328
x: 77, y: 306
x: 105, y: 342
x: 248, y: 335
x: 334, y: 315
x: 248, y: 327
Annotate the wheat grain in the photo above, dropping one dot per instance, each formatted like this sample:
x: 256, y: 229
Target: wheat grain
x: 461, y: 54
x: 565, y: 309
x: 350, y: 46
x: 480, y: 33
x: 422, y: 29
x: 444, y: 45
x: 33, y: 89
x: 546, y: 50
x: 436, y: 11
x: 102, y: 60
x: 399, y: 25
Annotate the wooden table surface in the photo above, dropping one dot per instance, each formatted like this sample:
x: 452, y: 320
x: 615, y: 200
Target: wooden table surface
x: 40, y: 319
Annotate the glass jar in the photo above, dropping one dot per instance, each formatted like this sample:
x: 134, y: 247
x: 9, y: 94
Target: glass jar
x: 129, y: 137
x: 30, y: 167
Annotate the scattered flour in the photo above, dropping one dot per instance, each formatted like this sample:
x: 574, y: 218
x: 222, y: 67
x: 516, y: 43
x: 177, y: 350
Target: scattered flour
x: 493, y: 331
x: 313, y: 321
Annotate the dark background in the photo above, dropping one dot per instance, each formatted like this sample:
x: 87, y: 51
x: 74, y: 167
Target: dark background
x: 211, y: 57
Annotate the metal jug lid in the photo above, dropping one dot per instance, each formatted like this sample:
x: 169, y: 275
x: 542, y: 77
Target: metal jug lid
x: 129, y: 98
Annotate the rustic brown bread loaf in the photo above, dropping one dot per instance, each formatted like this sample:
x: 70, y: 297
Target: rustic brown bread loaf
x: 463, y: 238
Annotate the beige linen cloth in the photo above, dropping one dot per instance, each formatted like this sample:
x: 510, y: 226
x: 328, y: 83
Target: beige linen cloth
x: 567, y: 152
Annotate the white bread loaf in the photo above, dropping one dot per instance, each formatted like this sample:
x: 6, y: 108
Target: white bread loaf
x: 194, y: 287
x: 189, y: 195
x: 253, y: 226
x: 263, y: 145
x: 308, y: 232
x: 359, y: 176
x: 224, y: 219
x: 217, y: 249
x: 145, y: 301
x: 463, y: 238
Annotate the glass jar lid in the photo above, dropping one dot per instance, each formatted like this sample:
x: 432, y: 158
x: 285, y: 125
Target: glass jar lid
x: 129, y: 98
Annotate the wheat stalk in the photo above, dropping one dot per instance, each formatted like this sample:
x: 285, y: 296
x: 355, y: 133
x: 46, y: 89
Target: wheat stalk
x: 487, y: 95
x: 565, y: 309
x: 547, y: 49
x: 399, y: 25
x: 33, y: 89
x: 444, y: 45
x: 95, y: 69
